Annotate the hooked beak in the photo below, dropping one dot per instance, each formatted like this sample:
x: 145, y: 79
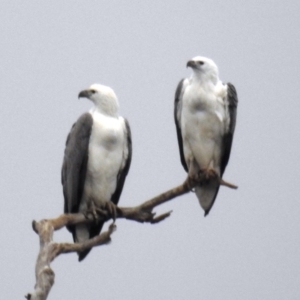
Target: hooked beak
x: 191, y: 64
x: 84, y: 94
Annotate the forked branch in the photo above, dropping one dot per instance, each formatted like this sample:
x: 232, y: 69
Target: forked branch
x: 49, y: 250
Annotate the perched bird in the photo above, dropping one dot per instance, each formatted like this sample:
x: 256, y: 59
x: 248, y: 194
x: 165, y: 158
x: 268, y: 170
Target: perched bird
x: 96, y: 161
x: 205, y: 116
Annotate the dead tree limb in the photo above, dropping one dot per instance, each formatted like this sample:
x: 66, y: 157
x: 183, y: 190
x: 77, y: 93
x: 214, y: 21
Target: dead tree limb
x: 49, y: 250
x: 144, y: 212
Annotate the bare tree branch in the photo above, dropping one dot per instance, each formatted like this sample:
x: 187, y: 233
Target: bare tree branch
x: 143, y: 212
x: 49, y: 250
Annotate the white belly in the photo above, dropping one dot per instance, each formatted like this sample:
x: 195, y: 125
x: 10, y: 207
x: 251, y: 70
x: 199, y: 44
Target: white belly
x: 105, y: 159
x: 202, y: 124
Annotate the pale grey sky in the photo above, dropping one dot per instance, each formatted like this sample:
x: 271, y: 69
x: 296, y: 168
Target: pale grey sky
x: 248, y: 246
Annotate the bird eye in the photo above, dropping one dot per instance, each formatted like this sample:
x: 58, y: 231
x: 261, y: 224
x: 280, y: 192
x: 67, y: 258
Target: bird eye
x: 93, y: 91
x: 201, y: 62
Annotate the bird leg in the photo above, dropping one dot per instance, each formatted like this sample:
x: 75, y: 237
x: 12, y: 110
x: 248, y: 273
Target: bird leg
x: 94, y: 211
x: 200, y: 175
x: 211, y: 173
x: 108, y: 211
x: 111, y: 209
x: 205, y: 174
x: 193, y: 173
x: 193, y: 169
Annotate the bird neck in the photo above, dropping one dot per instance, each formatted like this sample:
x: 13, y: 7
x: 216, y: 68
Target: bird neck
x: 107, y: 106
x: 204, y: 78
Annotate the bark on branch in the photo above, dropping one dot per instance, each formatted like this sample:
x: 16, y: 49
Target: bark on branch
x: 49, y: 250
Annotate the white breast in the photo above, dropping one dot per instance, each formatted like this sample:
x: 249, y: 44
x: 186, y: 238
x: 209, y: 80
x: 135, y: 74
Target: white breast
x: 106, y: 147
x: 202, y: 124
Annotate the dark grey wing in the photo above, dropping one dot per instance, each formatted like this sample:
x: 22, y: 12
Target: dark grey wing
x: 124, y: 171
x: 75, y: 164
x: 177, y: 115
x: 232, y: 102
x: 74, y: 172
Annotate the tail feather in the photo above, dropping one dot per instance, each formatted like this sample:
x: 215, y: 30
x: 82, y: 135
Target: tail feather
x: 206, y: 194
x: 82, y: 233
x: 83, y: 254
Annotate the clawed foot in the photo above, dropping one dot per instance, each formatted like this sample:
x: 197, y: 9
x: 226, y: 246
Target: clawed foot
x: 112, y: 210
x: 93, y: 212
x: 202, y: 177
x: 205, y: 175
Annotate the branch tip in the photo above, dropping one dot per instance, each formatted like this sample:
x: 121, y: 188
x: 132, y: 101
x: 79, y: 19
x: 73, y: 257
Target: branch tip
x: 228, y: 184
x: 112, y: 228
x: 161, y: 217
x: 33, y: 224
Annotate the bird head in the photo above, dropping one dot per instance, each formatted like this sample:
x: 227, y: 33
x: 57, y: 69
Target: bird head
x: 204, y: 67
x: 103, y: 97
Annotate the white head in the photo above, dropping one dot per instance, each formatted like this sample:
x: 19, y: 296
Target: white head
x: 204, y: 68
x: 103, y: 97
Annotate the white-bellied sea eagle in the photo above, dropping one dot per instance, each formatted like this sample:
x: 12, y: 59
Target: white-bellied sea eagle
x: 205, y: 117
x: 96, y: 160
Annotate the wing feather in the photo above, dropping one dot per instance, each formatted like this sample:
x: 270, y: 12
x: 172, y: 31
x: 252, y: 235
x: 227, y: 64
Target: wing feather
x: 177, y: 116
x: 75, y: 163
x: 127, y: 153
x: 232, y: 102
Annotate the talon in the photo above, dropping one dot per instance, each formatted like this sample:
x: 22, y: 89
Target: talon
x: 206, y: 174
x: 112, y: 210
x: 92, y: 210
x: 86, y: 214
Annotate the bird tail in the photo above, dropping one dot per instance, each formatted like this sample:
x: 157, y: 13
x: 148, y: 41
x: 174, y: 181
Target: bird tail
x: 206, y: 194
x: 84, y: 232
x: 83, y: 254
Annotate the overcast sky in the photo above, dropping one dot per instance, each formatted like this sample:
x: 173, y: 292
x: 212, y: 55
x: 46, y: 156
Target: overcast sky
x: 248, y: 246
